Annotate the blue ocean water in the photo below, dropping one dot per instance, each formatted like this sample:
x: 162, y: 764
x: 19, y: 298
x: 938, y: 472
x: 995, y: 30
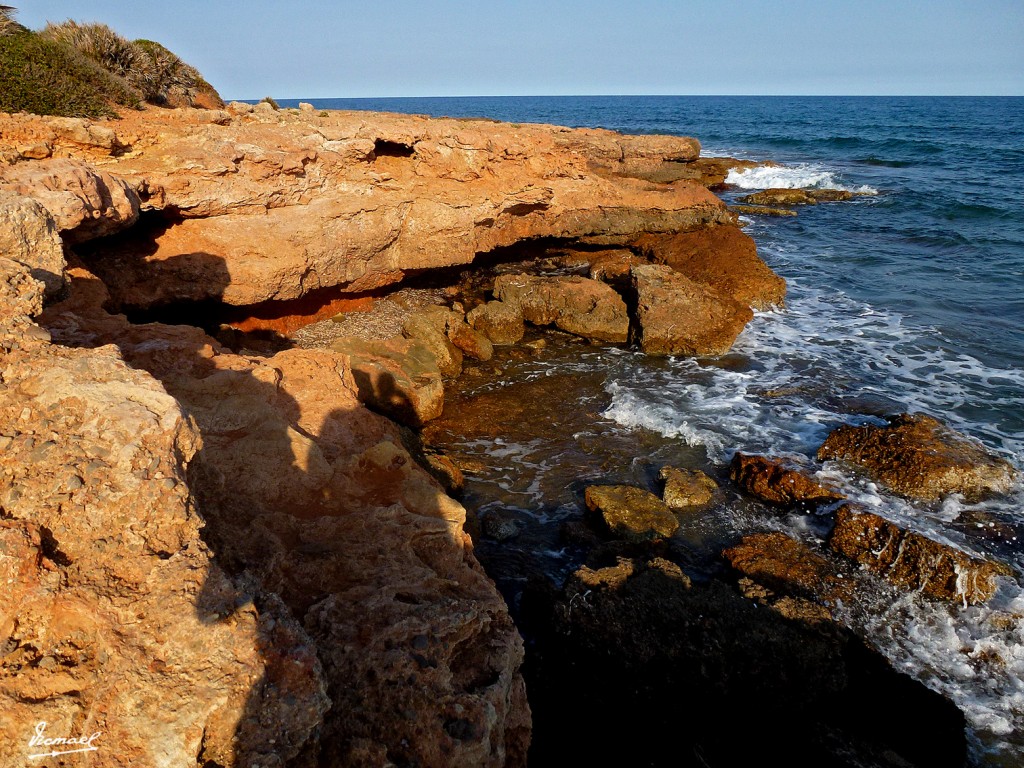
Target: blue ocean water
x: 908, y: 298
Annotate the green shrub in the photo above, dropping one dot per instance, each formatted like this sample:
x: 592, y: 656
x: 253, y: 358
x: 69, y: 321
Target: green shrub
x: 45, y: 77
x: 269, y: 100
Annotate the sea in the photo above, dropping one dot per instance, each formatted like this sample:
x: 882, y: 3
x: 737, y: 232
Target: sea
x: 908, y: 298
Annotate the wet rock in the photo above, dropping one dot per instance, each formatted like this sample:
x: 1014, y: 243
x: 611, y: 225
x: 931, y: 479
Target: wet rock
x: 577, y: 305
x: 771, y: 480
x: 786, y: 565
x: 678, y: 316
x: 830, y: 195
x: 631, y: 513
x: 501, y: 525
x: 686, y: 487
x: 626, y: 639
x: 919, y: 456
x: 28, y: 235
x: 473, y: 343
x: 443, y: 469
x: 779, y: 197
x: 912, y: 561
x: 500, y: 322
x: 398, y: 377
x: 761, y: 210
x: 721, y: 257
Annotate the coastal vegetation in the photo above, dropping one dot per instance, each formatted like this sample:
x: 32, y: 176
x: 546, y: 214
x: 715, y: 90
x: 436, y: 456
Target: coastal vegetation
x: 88, y: 70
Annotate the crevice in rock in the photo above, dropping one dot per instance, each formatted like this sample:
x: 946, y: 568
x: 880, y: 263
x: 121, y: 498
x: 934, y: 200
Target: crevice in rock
x: 385, y: 148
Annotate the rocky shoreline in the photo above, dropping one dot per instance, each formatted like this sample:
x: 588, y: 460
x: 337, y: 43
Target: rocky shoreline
x: 232, y: 547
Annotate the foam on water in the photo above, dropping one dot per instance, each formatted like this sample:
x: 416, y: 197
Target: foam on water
x: 802, y: 176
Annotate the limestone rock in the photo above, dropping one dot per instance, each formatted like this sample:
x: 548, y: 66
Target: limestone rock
x: 398, y: 377
x: 830, y: 195
x: 686, y: 487
x: 426, y: 331
x: 577, y: 305
x: 678, y: 316
x: 85, y: 202
x: 779, y: 197
x: 28, y: 235
x: 771, y: 480
x: 721, y: 257
x: 918, y: 456
x: 786, y: 565
x: 613, y: 266
x: 472, y: 342
x: 631, y: 513
x: 912, y: 561
x: 500, y: 322
x: 761, y: 210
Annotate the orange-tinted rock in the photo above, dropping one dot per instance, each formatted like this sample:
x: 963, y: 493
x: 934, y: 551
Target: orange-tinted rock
x: 721, y: 257
x: 773, y: 481
x: 788, y: 566
x: 631, y: 513
x: 577, y: 305
x: 615, y: 265
x: 918, y: 456
x: 912, y: 561
x: 28, y: 235
x: 500, y: 322
x: 677, y: 316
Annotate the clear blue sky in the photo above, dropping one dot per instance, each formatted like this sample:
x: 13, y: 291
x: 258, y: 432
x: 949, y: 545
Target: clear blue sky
x: 575, y: 47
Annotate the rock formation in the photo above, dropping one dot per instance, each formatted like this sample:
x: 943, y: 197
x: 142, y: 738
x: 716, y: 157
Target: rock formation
x: 771, y: 480
x: 918, y: 456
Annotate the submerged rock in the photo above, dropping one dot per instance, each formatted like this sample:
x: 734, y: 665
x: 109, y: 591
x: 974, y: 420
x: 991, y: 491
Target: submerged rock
x: 761, y: 210
x: 686, y: 487
x: 919, y: 456
x: 631, y: 513
x: 912, y: 561
x: 677, y: 316
x: 771, y: 480
x: 577, y: 305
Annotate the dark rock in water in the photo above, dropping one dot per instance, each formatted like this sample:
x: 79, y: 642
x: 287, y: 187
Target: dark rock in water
x: 445, y: 471
x: 678, y: 316
x: 501, y: 525
x: 912, y: 561
x: 631, y: 513
x: 686, y: 487
x: 783, y: 564
x: 771, y: 480
x: 779, y: 197
x: 761, y: 210
x: 919, y: 456
x: 500, y: 322
x: 830, y: 195
x: 631, y: 653
x: 577, y: 305
x: 721, y: 257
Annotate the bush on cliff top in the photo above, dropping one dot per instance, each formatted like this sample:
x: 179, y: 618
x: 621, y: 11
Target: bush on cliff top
x: 41, y: 76
x: 86, y: 70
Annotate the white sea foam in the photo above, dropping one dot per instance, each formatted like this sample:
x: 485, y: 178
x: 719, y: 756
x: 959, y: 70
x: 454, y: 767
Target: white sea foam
x: 804, y: 176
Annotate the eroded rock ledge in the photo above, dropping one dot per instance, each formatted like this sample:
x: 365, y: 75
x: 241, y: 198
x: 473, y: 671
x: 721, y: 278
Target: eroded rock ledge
x: 227, y: 559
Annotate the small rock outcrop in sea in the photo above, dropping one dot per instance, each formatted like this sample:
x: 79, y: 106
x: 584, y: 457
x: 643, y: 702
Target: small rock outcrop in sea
x: 686, y: 488
x: 912, y: 561
x: 918, y: 456
x: 676, y: 316
x: 631, y: 513
x: 775, y: 482
x: 761, y: 210
x: 577, y: 305
x: 796, y: 196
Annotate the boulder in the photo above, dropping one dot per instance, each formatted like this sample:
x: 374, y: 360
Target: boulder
x: 686, y: 487
x: 918, y: 456
x: 398, y: 377
x: 721, y: 257
x: 914, y: 562
x: 577, y: 305
x: 777, y: 483
x: 426, y: 331
x: 472, y: 342
x: 779, y: 197
x: 500, y: 322
x: 631, y: 513
x: 677, y: 316
x: 28, y: 235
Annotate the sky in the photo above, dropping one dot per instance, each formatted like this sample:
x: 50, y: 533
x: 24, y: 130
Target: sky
x: 321, y: 49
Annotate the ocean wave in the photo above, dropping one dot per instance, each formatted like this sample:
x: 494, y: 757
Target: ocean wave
x: 791, y: 177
